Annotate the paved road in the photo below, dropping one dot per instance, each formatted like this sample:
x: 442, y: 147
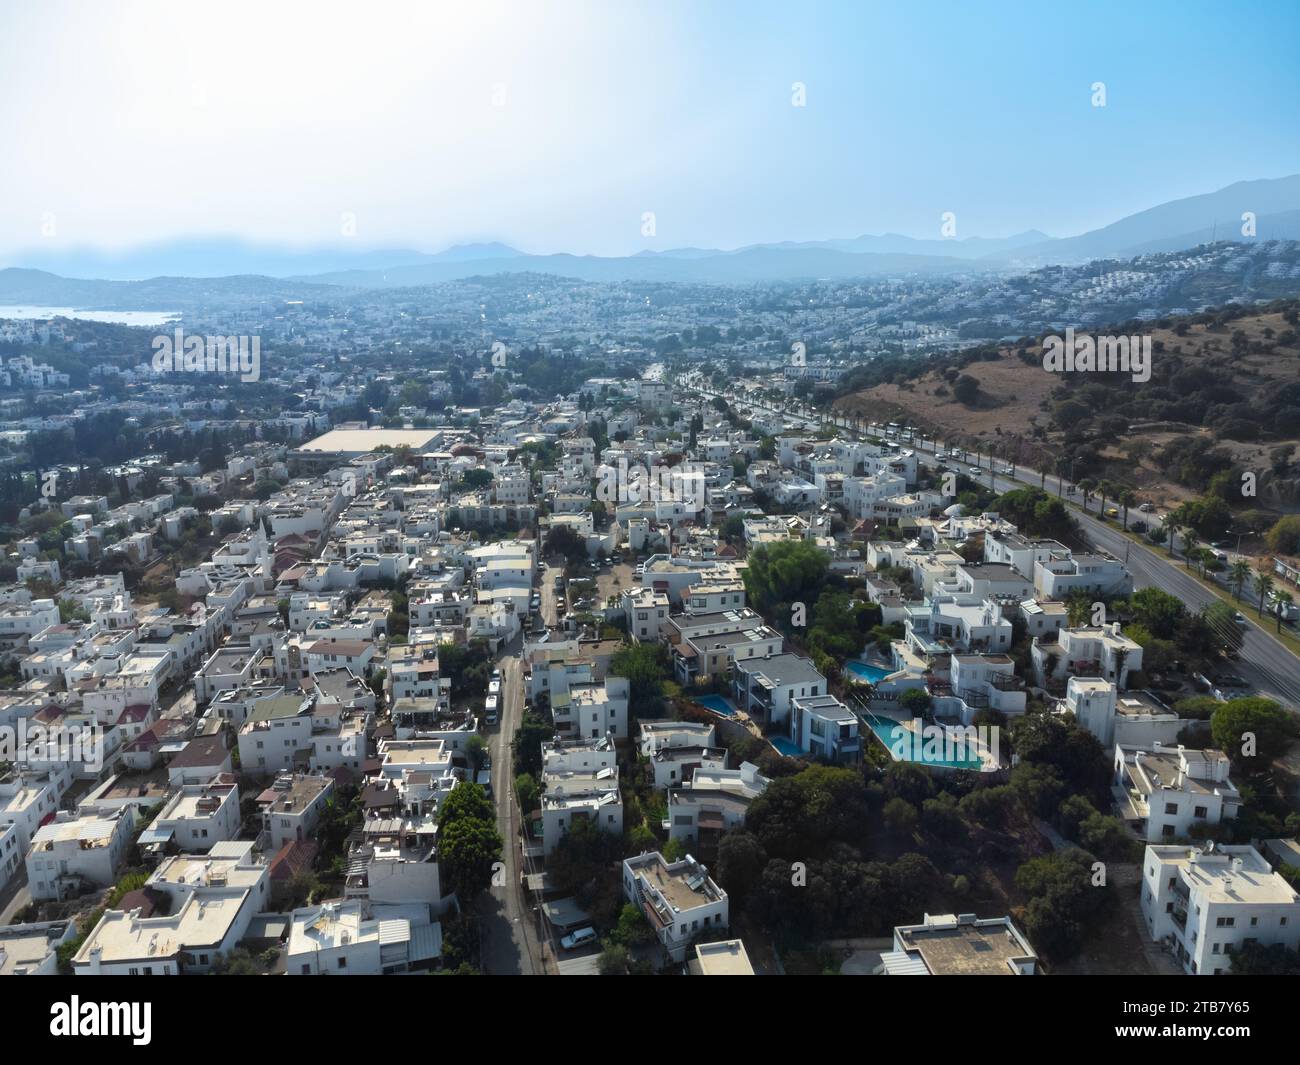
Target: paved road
x: 1265, y: 663
x: 15, y: 896
x: 549, y: 598
x: 509, y: 942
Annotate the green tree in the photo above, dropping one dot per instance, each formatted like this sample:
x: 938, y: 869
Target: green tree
x: 1252, y: 730
x: 469, y: 845
x: 645, y: 665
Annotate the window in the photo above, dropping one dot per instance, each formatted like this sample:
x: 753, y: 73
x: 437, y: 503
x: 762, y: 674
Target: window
x: 1171, y: 807
x: 1201, y: 811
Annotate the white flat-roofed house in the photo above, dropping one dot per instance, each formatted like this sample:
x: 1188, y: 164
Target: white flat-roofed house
x: 673, y: 765
x: 1162, y: 793
x: 958, y: 623
x: 960, y: 945
x: 578, y: 756
x: 344, y: 938
x: 1019, y: 552
x: 765, y: 687
x: 210, y: 901
x: 661, y: 735
x: 1065, y: 574
x: 232, y: 666
x: 73, y: 852
x: 414, y: 672
x: 197, y: 817
x: 21, y: 621
x: 679, y: 899
x: 646, y: 611
x: 573, y: 795
x: 356, y: 655
x: 1206, y: 903
x: 983, y: 681
x: 27, y: 798
x: 714, y: 801
x: 825, y: 728
x: 1102, y: 651
x: 33, y: 949
x: 395, y: 863
x: 705, y: 646
x: 292, y: 807
x: 1131, y: 719
x: 590, y: 711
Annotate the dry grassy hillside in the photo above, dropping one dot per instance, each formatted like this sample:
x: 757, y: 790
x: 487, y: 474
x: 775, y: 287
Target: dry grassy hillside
x: 1221, y: 382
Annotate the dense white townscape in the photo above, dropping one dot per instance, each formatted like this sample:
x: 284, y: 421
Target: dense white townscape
x: 629, y: 489
x: 440, y: 668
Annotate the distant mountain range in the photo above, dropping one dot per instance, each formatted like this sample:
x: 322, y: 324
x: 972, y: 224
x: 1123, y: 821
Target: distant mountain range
x: 191, y: 269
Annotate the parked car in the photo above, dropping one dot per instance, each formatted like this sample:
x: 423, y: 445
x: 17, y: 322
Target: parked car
x: 577, y: 939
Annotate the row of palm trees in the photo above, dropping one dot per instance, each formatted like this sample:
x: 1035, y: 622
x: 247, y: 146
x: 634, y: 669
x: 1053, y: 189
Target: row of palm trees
x: 1240, y: 575
x: 1107, y: 490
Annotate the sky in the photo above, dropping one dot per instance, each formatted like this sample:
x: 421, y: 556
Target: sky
x: 558, y: 126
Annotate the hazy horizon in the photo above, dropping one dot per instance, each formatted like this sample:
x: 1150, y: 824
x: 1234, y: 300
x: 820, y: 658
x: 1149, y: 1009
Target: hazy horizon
x: 559, y: 129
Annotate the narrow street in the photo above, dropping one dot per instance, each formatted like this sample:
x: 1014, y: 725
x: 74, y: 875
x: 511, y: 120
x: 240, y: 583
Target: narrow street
x: 510, y: 944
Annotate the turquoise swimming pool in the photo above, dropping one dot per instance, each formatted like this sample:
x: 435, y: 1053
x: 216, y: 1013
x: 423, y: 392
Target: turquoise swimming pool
x: 871, y: 674
x: 786, y: 747
x: 886, y: 730
x: 718, y: 704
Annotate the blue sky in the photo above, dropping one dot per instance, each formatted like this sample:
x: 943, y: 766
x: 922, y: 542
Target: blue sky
x: 556, y: 127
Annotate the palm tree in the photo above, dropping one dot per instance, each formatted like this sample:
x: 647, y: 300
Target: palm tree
x: 1238, y: 574
x: 1126, y: 500
x: 1263, y: 586
x: 1204, y: 556
x: 1104, y: 489
x: 1280, y: 602
x: 1086, y: 485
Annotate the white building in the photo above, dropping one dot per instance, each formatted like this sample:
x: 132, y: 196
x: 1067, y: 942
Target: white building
x: 960, y: 945
x: 211, y: 899
x: 197, y: 817
x: 1136, y: 718
x: 356, y: 939
x: 1163, y: 792
x: 71, y: 853
x: 678, y: 899
x: 1207, y: 903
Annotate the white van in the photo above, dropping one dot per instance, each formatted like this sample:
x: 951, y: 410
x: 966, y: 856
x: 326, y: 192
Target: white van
x: 490, y: 707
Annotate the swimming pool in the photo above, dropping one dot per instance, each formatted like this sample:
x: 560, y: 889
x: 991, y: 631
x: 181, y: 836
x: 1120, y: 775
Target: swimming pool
x: 718, y: 704
x: 871, y: 674
x: 786, y: 747
x: 891, y: 733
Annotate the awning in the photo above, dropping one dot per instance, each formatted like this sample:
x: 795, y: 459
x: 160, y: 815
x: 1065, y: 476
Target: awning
x: 155, y: 835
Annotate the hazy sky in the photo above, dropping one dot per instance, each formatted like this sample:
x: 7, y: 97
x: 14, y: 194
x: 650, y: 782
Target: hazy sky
x: 555, y: 126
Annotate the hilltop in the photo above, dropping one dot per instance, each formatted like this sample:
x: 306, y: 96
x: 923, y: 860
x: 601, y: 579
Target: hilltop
x: 1223, y: 398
